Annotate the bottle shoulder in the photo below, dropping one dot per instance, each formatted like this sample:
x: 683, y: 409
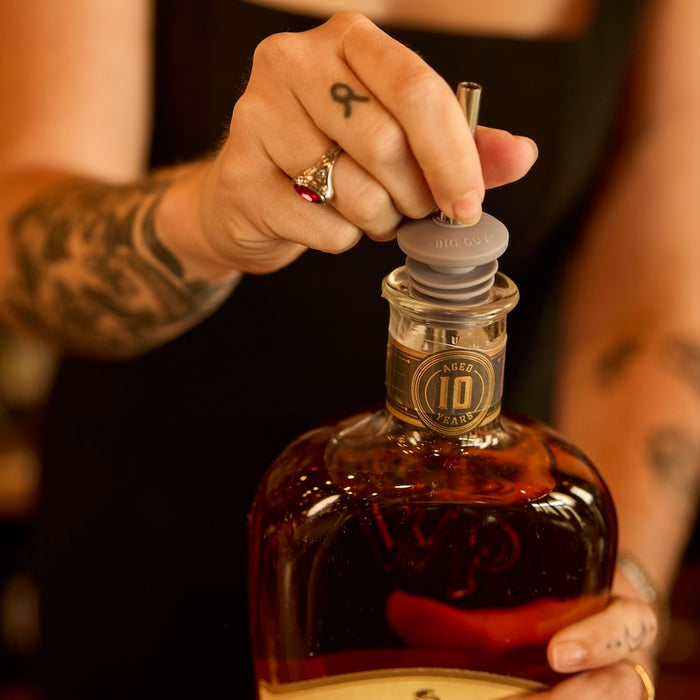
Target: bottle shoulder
x: 513, y: 459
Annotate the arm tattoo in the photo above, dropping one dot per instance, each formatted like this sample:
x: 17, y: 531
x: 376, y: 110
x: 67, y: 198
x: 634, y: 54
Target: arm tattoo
x: 672, y: 452
x: 684, y: 360
x: 613, y: 362
x: 680, y: 356
x: 92, y: 271
x: 674, y: 455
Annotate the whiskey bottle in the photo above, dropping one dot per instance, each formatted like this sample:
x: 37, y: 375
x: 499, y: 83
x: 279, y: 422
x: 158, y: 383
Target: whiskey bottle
x: 429, y: 549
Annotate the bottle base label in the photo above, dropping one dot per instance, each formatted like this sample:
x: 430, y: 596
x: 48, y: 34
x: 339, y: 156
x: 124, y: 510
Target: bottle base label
x: 403, y: 684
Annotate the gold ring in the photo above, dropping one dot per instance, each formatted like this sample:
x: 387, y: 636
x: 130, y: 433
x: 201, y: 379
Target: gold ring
x: 645, y: 678
x: 315, y: 184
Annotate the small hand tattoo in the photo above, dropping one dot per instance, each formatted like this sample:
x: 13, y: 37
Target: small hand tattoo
x: 631, y: 641
x: 636, y: 641
x: 345, y: 95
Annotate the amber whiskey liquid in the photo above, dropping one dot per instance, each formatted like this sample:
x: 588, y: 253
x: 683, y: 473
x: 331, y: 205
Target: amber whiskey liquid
x: 431, y: 554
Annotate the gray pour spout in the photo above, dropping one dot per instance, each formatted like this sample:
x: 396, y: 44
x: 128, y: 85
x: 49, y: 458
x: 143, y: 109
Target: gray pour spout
x: 447, y: 260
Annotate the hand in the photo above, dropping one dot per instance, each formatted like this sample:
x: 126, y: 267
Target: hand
x: 597, y: 653
x: 406, y: 148
x: 601, y: 650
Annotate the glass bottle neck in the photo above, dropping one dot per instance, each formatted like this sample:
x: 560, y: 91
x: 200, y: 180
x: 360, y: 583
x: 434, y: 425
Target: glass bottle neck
x: 445, y: 361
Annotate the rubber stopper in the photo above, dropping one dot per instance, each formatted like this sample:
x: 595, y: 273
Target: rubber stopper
x: 451, y: 261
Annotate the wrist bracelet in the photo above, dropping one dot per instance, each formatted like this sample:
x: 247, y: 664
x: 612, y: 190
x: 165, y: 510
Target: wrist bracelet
x: 642, y: 582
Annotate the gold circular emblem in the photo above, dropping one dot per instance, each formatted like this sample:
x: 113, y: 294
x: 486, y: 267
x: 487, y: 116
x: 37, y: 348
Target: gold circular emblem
x: 453, y: 390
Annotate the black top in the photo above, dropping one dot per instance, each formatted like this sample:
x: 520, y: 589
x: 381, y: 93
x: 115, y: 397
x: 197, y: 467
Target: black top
x: 150, y: 463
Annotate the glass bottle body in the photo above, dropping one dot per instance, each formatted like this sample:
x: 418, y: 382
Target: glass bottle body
x: 380, y: 544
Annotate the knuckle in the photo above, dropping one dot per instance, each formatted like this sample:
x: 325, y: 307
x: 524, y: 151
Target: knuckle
x: 229, y: 176
x: 369, y: 204
x: 345, y: 237
x: 386, y: 231
x: 348, y: 21
x: 418, y: 207
x: 247, y: 111
x: 264, y: 51
x: 419, y: 88
x: 392, y: 146
x: 275, y: 50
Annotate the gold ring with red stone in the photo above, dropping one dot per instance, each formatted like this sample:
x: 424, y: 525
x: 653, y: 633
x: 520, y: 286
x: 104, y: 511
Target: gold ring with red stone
x: 315, y: 184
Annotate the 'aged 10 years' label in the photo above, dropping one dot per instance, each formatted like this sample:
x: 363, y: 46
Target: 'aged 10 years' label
x: 450, y: 392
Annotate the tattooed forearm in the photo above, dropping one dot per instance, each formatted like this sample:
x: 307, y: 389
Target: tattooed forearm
x: 684, y: 360
x: 613, y: 362
x: 678, y: 355
x: 672, y: 452
x: 674, y: 455
x: 92, y: 272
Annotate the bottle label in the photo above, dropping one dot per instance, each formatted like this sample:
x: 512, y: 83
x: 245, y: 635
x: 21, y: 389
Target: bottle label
x: 450, y: 392
x: 403, y: 684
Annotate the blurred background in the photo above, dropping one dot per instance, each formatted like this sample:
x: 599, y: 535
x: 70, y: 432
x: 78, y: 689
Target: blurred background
x: 26, y: 373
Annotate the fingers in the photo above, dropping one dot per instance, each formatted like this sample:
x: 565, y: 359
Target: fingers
x: 601, y: 652
x: 504, y: 157
x: 268, y: 225
x: 377, y: 172
x: 344, y: 108
x: 619, y: 681
x: 433, y: 123
x: 624, y: 627
x: 406, y: 146
x: 423, y: 105
x: 287, y: 117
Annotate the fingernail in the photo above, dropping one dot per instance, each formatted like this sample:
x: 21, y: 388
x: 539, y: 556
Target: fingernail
x: 568, y: 656
x: 532, y: 144
x: 468, y: 208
